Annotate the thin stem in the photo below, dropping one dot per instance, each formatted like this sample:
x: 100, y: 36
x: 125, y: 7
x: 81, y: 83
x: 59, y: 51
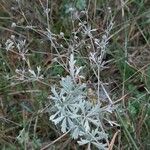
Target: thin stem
x: 98, y: 85
x: 127, y: 132
x: 45, y: 147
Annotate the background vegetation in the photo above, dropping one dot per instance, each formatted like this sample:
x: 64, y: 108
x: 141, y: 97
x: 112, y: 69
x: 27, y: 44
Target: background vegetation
x: 26, y: 76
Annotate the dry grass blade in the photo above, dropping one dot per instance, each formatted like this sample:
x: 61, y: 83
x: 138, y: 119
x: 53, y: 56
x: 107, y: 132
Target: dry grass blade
x: 50, y: 144
x: 113, y: 140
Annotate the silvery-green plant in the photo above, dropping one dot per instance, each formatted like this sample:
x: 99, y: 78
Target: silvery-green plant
x: 72, y: 111
x: 24, y: 73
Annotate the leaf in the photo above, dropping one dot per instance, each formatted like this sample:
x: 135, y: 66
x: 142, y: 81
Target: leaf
x: 54, y: 92
x: 87, y: 126
x: 72, y: 66
x: 53, y: 116
x: 32, y: 72
x: 70, y: 123
x: 67, y: 84
x: 83, y: 142
x: 58, y: 120
x: 94, y: 121
x: 75, y: 133
x: 64, y: 126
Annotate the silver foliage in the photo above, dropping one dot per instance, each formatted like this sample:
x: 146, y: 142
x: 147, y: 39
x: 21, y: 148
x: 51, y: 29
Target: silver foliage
x: 72, y: 112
